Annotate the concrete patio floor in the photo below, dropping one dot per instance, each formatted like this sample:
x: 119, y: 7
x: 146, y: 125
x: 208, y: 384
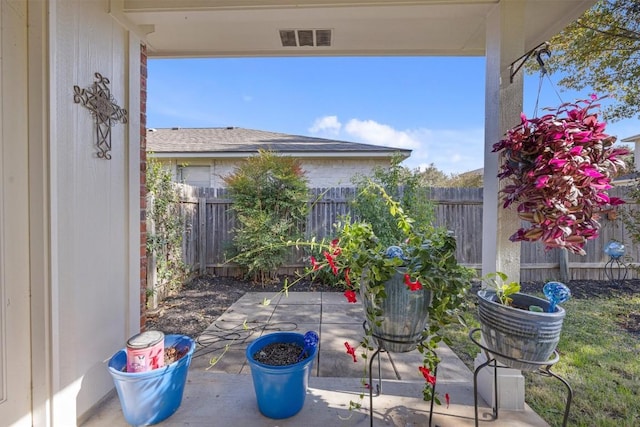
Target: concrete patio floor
x: 222, y: 395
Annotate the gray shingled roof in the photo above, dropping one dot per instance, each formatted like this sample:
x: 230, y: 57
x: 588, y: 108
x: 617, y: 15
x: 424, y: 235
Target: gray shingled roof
x: 240, y: 140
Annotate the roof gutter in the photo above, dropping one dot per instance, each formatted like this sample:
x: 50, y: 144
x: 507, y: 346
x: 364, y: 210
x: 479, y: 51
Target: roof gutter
x: 242, y: 155
x: 634, y: 138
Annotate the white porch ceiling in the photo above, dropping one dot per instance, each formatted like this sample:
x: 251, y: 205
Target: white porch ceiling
x: 240, y: 28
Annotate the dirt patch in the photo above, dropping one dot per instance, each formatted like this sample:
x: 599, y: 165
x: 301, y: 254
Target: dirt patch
x: 630, y: 322
x: 202, y: 300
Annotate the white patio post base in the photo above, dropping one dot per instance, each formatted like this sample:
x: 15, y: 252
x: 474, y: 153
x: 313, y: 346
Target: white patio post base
x: 510, y: 385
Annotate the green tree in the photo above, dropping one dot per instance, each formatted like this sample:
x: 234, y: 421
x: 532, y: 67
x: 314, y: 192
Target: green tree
x: 402, y: 185
x: 434, y: 177
x: 630, y: 214
x: 466, y: 180
x: 601, y: 51
x: 628, y: 161
x: 270, y: 198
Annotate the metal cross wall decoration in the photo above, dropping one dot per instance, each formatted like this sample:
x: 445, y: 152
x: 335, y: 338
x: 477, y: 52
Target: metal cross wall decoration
x: 103, y: 107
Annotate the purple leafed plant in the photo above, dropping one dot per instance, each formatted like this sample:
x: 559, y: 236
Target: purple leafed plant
x: 560, y: 167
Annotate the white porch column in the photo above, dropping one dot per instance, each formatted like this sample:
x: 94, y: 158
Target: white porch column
x: 503, y: 104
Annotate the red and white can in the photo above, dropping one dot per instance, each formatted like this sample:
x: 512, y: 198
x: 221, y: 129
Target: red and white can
x: 145, y: 351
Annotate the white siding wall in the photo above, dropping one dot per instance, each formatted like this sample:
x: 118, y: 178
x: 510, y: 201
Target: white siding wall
x: 198, y: 176
x: 338, y: 172
x: 94, y: 236
x: 334, y: 172
x: 15, y: 350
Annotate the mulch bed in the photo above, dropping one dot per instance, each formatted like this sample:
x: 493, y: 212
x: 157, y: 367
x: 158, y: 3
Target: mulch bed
x: 205, y: 298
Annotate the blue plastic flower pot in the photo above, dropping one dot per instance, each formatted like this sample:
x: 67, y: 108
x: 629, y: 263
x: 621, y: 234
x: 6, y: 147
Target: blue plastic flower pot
x: 280, y: 390
x: 150, y: 397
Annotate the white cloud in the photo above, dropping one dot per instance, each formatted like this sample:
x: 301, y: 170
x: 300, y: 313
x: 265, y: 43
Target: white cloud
x: 451, y: 151
x: 328, y: 125
x: 372, y: 132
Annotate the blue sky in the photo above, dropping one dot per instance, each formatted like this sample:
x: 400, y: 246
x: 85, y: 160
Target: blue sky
x: 431, y: 105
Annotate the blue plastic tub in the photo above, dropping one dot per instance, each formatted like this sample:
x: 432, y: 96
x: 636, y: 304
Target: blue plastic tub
x: 153, y: 396
x: 280, y: 390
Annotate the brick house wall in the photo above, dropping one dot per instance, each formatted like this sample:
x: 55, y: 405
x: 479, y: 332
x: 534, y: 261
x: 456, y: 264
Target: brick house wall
x: 143, y: 186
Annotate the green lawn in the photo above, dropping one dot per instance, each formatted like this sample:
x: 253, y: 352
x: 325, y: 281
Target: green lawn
x: 598, y: 357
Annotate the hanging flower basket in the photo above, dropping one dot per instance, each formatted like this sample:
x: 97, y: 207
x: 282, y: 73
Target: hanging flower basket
x: 560, y: 167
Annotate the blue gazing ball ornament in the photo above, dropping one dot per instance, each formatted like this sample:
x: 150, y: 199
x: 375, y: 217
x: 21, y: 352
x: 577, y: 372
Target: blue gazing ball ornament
x: 556, y: 293
x: 310, y: 339
x: 614, y: 249
x: 310, y: 342
x: 394, y: 252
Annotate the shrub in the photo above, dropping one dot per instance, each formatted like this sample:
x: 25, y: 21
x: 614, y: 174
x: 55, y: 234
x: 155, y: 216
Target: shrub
x: 400, y: 184
x: 271, y: 202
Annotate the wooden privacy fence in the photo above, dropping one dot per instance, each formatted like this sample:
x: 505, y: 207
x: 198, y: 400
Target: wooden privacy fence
x: 209, y: 224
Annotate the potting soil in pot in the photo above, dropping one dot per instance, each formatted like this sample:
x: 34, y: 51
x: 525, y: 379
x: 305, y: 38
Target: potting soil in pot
x: 173, y: 354
x: 280, y: 354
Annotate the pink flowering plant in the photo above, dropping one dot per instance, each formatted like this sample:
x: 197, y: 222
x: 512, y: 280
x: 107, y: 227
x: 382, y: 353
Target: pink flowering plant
x: 425, y: 257
x: 559, y: 168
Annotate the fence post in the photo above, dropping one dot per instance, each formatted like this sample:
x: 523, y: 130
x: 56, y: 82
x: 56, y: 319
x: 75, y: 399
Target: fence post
x: 564, y: 265
x: 202, y: 235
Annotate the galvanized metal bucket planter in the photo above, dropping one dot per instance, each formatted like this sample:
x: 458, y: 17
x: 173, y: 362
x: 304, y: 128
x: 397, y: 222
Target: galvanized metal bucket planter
x: 519, y: 334
x: 405, y: 314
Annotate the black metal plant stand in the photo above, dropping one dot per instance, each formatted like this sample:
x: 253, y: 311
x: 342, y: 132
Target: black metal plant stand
x: 376, y: 354
x: 615, y: 269
x: 545, y: 370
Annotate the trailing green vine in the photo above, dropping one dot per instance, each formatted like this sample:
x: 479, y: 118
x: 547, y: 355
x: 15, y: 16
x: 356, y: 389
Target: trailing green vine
x: 165, y: 229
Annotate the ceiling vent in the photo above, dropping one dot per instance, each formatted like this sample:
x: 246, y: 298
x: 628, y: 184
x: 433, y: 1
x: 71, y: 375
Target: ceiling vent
x: 305, y: 38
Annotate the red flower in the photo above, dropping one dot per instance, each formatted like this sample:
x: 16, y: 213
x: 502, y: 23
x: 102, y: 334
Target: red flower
x: 314, y: 263
x: 351, y: 351
x: 337, y: 250
x: 331, y: 262
x: 447, y: 399
x: 350, y: 295
x: 426, y: 373
x: 413, y: 286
